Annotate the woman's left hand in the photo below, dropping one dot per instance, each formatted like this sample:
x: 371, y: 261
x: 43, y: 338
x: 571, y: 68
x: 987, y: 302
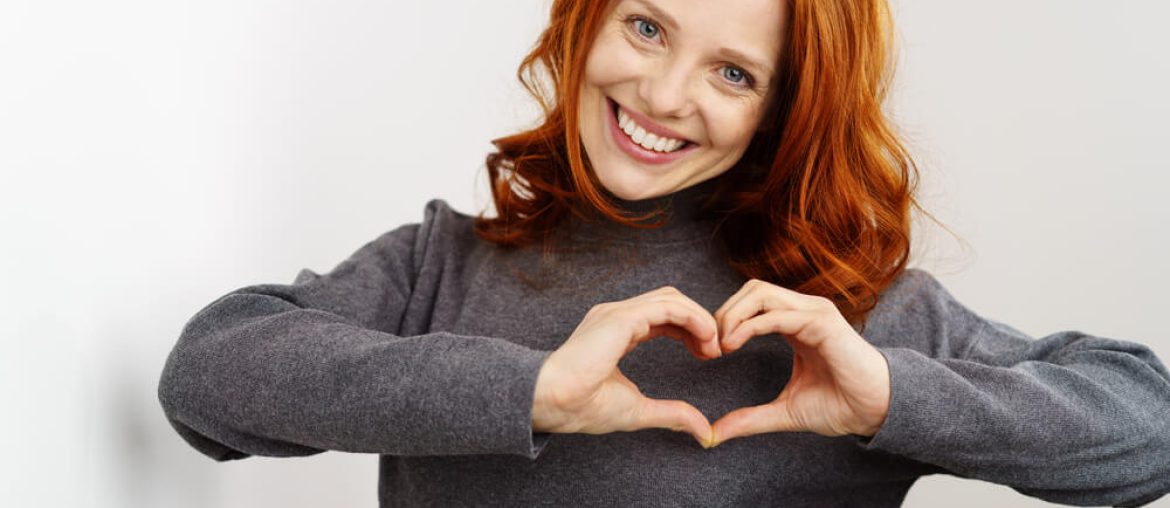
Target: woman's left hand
x: 840, y: 383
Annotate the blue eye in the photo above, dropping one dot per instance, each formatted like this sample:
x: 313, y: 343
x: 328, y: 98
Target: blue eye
x: 652, y: 28
x: 647, y: 29
x: 736, y: 75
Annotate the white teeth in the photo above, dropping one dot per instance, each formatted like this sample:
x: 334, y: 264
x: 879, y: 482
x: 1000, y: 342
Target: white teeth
x: 644, y: 139
x: 649, y: 141
x: 639, y: 135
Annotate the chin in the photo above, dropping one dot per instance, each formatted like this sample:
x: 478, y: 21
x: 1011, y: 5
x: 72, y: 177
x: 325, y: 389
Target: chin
x: 629, y: 188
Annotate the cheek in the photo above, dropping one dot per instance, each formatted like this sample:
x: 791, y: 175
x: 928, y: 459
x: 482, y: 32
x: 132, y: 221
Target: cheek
x: 732, y: 127
x: 609, y: 62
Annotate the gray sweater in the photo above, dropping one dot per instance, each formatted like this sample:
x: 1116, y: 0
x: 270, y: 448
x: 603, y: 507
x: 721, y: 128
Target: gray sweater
x: 424, y: 347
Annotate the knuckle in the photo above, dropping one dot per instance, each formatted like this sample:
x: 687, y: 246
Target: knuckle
x: 603, y: 309
x: 641, y: 329
x: 748, y: 327
x: 620, y: 314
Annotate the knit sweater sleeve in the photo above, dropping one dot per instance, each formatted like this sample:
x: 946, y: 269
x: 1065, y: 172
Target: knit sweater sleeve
x: 293, y: 370
x: 1070, y: 417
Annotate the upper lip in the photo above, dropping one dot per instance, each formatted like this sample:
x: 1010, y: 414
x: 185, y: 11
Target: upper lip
x: 649, y: 124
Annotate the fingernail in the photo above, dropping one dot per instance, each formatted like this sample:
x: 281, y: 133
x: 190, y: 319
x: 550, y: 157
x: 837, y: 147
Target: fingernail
x: 710, y: 443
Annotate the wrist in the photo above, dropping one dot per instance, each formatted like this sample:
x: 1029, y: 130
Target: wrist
x: 542, y: 407
x: 878, y: 410
x: 869, y: 430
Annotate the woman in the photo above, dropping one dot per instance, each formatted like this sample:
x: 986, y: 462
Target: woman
x: 717, y: 173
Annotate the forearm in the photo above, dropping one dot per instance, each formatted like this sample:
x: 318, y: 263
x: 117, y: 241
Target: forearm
x: 1094, y: 429
x: 264, y: 377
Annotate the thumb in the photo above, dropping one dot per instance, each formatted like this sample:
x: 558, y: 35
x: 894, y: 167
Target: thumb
x: 747, y: 421
x: 675, y: 415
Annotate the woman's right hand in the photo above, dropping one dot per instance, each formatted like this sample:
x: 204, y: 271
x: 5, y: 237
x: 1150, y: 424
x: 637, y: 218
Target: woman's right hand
x: 580, y: 389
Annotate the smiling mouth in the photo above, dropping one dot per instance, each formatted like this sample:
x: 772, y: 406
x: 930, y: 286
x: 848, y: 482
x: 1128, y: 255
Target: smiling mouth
x: 686, y: 142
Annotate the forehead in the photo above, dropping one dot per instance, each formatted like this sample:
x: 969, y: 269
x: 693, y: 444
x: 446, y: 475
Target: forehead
x: 751, y: 27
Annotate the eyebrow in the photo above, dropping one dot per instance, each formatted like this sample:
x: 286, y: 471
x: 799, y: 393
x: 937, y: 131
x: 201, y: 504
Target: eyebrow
x: 726, y: 52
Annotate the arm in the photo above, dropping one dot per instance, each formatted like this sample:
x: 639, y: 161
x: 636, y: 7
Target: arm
x: 1070, y: 417
x: 290, y: 370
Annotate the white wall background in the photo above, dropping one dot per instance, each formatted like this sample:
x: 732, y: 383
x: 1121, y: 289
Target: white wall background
x: 155, y: 155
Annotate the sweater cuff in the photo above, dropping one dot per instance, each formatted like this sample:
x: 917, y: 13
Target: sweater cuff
x: 532, y: 443
x: 915, y: 403
x: 539, y: 441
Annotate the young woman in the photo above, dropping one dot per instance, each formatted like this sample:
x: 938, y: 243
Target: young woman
x: 718, y: 173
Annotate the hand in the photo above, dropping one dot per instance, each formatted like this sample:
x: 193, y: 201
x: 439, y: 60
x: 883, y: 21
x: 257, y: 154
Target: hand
x: 840, y: 383
x: 580, y: 389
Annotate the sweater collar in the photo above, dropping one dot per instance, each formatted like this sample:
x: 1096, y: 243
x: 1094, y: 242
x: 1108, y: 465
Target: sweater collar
x: 683, y: 219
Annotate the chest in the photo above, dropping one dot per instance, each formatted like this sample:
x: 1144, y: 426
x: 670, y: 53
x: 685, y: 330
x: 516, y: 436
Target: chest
x: 538, y: 304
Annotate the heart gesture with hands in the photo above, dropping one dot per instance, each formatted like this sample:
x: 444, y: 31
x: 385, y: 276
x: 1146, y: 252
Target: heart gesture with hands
x: 580, y: 389
x: 839, y: 385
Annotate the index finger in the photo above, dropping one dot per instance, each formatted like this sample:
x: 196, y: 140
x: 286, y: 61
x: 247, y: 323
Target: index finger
x: 669, y: 314
x: 672, y: 292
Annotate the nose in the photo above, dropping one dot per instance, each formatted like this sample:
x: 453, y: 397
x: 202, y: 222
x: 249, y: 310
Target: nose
x: 666, y: 92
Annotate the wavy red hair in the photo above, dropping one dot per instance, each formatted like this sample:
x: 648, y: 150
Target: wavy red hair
x: 819, y: 203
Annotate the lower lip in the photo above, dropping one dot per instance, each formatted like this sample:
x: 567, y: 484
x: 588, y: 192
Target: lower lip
x: 636, y: 151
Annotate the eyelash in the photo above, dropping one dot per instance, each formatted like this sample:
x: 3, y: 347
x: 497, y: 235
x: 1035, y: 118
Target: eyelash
x: 749, y: 80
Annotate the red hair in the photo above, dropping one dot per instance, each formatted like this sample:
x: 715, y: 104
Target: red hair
x: 819, y: 203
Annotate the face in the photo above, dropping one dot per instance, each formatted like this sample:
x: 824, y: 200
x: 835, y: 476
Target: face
x: 688, y: 79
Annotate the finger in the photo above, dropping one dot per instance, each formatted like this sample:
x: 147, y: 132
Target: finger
x: 675, y: 415
x: 760, y: 298
x: 670, y: 331
x: 709, y: 339
x: 731, y: 302
x: 706, y: 344
x: 751, y: 301
x: 700, y: 348
x: 748, y: 421
x: 629, y: 323
x: 675, y: 312
x: 787, y: 322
